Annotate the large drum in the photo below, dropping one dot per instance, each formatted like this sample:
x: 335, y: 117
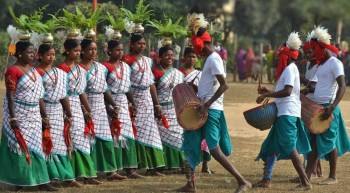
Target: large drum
x: 310, y: 114
x: 186, y: 103
x: 261, y: 117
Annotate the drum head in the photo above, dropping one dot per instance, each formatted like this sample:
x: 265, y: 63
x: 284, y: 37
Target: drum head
x: 187, y: 118
x: 317, y: 126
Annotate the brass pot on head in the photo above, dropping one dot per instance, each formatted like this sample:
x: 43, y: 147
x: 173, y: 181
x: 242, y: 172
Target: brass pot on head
x: 90, y: 34
x: 117, y: 35
x: 47, y: 38
x: 73, y: 33
x: 24, y: 35
x: 138, y: 28
x: 166, y: 41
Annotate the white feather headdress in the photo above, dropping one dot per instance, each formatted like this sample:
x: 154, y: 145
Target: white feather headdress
x: 109, y: 32
x: 196, y: 21
x: 294, y: 41
x: 322, y: 35
x: 13, y: 33
x: 310, y: 35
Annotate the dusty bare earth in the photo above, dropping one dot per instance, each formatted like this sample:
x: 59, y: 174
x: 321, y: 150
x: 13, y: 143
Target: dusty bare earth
x: 246, y: 142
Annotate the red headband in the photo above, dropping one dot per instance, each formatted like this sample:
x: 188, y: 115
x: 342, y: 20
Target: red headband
x: 307, y: 45
x: 284, y: 54
x: 319, y: 48
x: 198, y: 42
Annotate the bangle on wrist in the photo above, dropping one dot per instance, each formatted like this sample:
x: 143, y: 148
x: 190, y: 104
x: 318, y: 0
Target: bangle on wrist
x: 13, y: 119
x: 157, y: 105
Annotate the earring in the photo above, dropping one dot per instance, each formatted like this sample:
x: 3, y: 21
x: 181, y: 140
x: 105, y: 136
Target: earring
x: 20, y: 56
x: 82, y: 52
x: 41, y: 57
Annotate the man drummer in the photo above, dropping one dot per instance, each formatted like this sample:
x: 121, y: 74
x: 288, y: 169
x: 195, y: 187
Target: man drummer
x: 211, y: 87
x: 287, y: 137
x: 328, y: 92
x: 309, y: 81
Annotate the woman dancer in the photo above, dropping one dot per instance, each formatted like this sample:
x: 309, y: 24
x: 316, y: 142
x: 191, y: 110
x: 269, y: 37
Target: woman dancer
x: 148, y: 142
x: 170, y: 131
x: 81, y: 161
x: 118, y: 80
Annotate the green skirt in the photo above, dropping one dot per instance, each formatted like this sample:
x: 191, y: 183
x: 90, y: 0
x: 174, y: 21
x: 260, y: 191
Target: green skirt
x: 148, y: 157
x: 125, y: 155
x: 82, y: 165
x: 14, y: 169
x: 286, y: 134
x: 60, y: 168
x: 173, y: 158
x: 102, y: 155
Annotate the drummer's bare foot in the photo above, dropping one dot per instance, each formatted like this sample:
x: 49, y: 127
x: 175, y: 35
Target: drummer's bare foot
x: 264, y: 183
x: 301, y: 187
x: 243, y: 187
x: 328, y: 181
x: 74, y: 183
x: 189, y: 187
x: 92, y: 181
x: 115, y: 176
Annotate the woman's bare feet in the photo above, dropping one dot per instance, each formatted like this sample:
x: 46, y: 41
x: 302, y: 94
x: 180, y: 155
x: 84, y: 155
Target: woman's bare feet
x: 74, y: 183
x: 116, y: 176
x: 92, y: 181
x: 135, y: 175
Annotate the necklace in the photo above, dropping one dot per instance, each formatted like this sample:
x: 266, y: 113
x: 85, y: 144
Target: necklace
x: 32, y: 78
x: 54, y: 80
x: 118, y: 75
x: 171, y: 84
x: 142, y: 70
x: 70, y: 70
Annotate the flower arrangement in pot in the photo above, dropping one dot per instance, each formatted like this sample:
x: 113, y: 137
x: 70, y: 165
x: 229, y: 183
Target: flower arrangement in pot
x: 168, y: 30
x: 72, y: 22
x: 117, y: 24
x: 26, y: 23
x: 142, y: 13
x: 90, y: 22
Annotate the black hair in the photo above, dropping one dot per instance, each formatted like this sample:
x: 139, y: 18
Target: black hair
x: 21, y: 46
x: 112, y: 44
x: 43, y: 48
x: 135, y: 38
x: 84, y: 44
x: 164, y: 49
x: 70, y: 44
x: 188, y: 50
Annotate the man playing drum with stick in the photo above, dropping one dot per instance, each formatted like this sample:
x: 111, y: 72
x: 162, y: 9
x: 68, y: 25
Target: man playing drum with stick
x: 330, y: 86
x: 287, y: 137
x: 211, y: 87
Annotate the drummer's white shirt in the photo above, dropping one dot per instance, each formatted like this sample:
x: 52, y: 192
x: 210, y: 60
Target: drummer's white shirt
x: 310, y: 74
x: 289, y: 105
x: 326, y: 87
x: 208, y: 84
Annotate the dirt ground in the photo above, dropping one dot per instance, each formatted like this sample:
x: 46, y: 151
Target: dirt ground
x: 246, y: 143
